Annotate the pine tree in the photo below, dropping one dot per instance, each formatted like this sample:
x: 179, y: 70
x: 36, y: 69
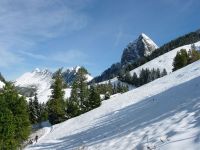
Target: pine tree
x: 164, y: 73
x: 56, y: 104
x: 43, y: 113
x: 193, y: 55
x: 180, y: 60
x: 94, y: 100
x: 158, y: 73
x: 135, y: 79
x: 14, y: 118
x: 79, y: 93
x: 72, y: 109
x: 32, y: 112
x: 37, y: 107
x: 119, y: 87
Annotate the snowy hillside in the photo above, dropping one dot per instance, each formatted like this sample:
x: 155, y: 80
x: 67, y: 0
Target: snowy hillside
x: 41, y: 80
x: 163, y: 114
x: 1, y: 84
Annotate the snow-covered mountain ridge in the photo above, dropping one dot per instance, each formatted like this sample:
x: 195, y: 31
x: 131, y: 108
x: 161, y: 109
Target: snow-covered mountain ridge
x: 40, y: 80
x: 164, y: 61
x: 163, y: 114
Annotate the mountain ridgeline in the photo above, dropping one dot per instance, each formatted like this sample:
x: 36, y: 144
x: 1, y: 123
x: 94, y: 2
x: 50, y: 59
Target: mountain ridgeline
x: 142, y: 50
x: 141, y: 47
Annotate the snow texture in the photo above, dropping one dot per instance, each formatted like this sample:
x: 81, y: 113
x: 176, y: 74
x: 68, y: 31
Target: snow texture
x: 40, y: 79
x: 163, y: 114
x: 1, y: 84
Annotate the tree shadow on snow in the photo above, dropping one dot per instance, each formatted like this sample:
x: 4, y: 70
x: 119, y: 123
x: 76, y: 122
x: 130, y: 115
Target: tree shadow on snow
x: 138, y: 116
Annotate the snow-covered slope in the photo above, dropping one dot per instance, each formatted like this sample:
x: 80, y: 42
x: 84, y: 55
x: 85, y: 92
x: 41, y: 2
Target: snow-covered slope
x: 41, y: 80
x: 163, y: 114
x: 1, y: 84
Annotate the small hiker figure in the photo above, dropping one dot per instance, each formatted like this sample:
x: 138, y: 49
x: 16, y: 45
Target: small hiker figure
x: 36, y: 138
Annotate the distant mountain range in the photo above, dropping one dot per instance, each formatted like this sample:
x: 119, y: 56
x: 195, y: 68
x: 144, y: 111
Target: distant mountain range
x: 142, y: 48
x: 40, y: 81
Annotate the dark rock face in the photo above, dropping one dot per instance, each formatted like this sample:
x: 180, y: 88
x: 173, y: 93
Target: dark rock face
x: 70, y: 74
x: 143, y: 46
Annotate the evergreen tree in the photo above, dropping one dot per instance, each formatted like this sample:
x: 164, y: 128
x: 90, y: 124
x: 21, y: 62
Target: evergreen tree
x: 43, y: 113
x: 158, y: 73
x: 109, y: 87
x: 72, y: 109
x: 128, y: 77
x: 193, y: 55
x: 37, y: 107
x: 119, y: 88
x: 79, y: 93
x: 180, y: 60
x: 135, y: 79
x: 14, y: 119
x: 56, y: 104
x: 164, y: 73
x: 94, y: 98
x: 32, y: 112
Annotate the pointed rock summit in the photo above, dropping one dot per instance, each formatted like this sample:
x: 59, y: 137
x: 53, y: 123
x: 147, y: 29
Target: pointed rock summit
x: 142, y: 46
x: 69, y: 75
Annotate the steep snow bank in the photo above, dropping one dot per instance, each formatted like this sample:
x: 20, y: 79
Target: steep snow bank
x: 163, y: 114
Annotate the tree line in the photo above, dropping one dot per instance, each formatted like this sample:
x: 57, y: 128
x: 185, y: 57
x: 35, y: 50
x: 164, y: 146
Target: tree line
x: 109, y: 89
x: 145, y: 76
x: 184, y: 58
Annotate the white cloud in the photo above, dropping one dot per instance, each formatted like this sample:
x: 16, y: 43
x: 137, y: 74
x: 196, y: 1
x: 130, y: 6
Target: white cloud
x: 25, y: 23
x: 69, y: 56
x: 33, y: 55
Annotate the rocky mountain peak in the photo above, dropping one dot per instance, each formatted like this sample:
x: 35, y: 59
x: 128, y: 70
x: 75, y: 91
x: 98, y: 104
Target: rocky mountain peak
x: 142, y: 46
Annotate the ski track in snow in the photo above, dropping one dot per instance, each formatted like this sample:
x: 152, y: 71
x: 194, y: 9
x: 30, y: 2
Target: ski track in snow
x: 163, y: 114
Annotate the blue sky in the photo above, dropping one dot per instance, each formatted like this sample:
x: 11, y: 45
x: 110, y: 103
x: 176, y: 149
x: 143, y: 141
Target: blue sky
x: 65, y: 33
